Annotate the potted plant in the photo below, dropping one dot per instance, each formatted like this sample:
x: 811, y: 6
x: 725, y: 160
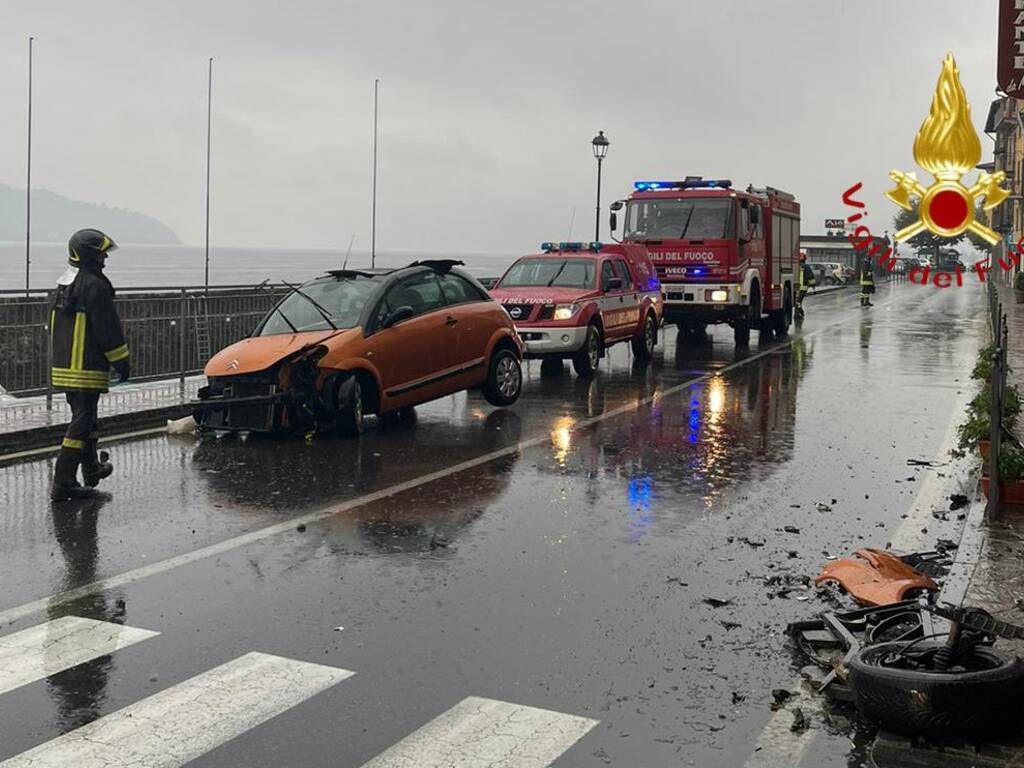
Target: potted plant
x: 1011, y: 475
x: 1018, y: 287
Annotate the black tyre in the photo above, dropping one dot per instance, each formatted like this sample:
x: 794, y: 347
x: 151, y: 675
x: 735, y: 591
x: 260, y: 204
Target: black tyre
x: 585, y: 361
x: 551, y: 366
x: 987, y: 700
x: 504, y: 379
x: 643, y: 343
x: 349, y: 418
x: 741, y: 330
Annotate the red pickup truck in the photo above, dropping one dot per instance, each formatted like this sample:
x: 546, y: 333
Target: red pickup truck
x: 574, y: 300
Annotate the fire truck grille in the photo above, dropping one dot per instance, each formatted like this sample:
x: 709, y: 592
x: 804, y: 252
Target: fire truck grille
x: 519, y: 312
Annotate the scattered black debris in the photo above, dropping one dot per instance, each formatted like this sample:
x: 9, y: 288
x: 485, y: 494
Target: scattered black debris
x: 436, y: 542
x: 834, y: 501
x: 790, y: 529
x: 945, y: 545
x: 799, y: 721
x: 717, y: 602
x: 738, y: 697
x: 920, y: 463
x: 676, y: 580
x: 119, y: 607
x: 301, y: 528
x: 794, y: 506
x: 911, y: 479
x: 792, y: 554
x: 755, y: 543
x: 940, y: 514
x: 822, y: 507
x: 730, y: 625
x: 958, y: 500
x: 781, y: 695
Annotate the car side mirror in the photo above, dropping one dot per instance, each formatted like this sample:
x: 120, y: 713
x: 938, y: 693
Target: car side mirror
x: 398, y: 315
x: 613, y: 221
x: 613, y: 284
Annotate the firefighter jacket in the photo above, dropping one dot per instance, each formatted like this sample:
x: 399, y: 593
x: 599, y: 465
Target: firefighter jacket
x: 807, y: 278
x: 85, y: 332
x: 867, y: 276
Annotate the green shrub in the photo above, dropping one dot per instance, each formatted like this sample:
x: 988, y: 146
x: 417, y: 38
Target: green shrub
x: 1018, y: 281
x: 982, y: 404
x: 974, y: 429
x: 1011, y: 463
x: 983, y: 368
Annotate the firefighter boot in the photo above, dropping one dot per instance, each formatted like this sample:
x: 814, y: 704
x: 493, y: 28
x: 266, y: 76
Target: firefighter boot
x: 65, y: 481
x: 95, y: 466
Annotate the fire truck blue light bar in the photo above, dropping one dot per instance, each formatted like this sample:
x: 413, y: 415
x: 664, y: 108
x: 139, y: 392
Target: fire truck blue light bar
x: 649, y: 186
x: 573, y: 246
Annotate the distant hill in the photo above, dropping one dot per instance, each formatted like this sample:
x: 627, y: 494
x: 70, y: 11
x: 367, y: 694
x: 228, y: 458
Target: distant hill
x: 55, y: 218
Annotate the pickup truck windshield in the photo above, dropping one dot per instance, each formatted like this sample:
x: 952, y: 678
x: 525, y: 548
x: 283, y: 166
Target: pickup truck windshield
x: 689, y: 219
x: 343, y: 300
x: 558, y: 273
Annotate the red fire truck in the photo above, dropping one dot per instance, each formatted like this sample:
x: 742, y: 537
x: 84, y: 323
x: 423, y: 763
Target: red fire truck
x: 722, y: 255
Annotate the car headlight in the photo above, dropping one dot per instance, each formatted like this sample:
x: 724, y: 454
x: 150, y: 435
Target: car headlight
x: 565, y: 311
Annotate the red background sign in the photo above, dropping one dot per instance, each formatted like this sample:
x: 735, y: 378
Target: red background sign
x: 1010, y: 66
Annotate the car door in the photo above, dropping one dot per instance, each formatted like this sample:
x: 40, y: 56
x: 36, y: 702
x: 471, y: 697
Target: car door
x: 612, y: 302
x: 630, y: 298
x: 471, y: 317
x: 412, y: 353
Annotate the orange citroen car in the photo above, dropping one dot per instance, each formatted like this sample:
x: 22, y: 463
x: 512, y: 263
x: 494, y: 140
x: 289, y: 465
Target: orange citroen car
x: 357, y: 342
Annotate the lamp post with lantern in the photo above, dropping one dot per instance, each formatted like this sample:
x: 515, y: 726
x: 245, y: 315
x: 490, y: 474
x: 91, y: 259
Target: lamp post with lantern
x: 600, y: 146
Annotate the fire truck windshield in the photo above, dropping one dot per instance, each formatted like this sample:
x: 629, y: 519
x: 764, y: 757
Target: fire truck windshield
x: 689, y: 218
x: 561, y: 273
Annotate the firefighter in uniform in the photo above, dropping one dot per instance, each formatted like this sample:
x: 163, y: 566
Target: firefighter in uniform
x: 86, y: 342
x: 867, y: 282
x: 807, y: 281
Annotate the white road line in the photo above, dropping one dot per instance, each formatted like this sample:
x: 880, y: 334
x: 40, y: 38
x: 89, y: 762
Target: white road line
x: 128, y: 577
x: 38, y: 652
x: 170, y: 728
x: 485, y: 733
x: 778, y: 746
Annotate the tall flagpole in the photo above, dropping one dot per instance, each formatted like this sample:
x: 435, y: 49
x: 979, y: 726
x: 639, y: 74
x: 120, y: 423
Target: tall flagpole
x: 209, y: 112
x: 373, y: 205
x: 28, y: 176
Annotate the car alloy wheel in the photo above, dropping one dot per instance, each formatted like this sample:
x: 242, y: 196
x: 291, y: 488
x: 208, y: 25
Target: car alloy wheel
x: 649, y: 334
x: 357, y: 405
x: 508, y: 377
x: 593, y: 351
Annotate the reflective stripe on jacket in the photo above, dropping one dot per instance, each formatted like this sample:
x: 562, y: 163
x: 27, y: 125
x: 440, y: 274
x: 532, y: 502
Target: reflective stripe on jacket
x: 85, y: 332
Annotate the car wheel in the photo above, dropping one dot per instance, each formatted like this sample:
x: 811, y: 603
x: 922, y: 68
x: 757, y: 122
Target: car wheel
x: 643, y: 344
x: 987, y: 698
x: 586, y: 360
x: 350, y: 408
x: 504, y: 379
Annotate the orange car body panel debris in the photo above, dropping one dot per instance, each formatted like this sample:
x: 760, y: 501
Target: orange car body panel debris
x: 877, y: 578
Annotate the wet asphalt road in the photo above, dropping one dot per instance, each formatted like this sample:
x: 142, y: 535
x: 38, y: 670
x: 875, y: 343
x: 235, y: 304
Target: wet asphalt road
x: 569, y: 574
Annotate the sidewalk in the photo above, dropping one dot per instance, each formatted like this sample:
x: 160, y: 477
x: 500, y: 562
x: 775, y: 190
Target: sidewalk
x: 26, y: 423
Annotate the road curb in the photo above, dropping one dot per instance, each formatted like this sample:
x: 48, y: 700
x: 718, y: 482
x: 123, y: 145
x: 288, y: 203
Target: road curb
x: 41, y: 437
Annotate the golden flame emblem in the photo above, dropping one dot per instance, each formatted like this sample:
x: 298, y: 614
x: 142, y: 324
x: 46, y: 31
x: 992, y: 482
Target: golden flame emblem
x: 947, y: 146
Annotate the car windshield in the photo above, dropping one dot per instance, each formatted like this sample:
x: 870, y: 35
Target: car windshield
x: 561, y: 273
x: 341, y: 300
x: 690, y: 219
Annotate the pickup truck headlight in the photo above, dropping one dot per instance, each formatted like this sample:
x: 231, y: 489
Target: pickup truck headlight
x: 565, y: 311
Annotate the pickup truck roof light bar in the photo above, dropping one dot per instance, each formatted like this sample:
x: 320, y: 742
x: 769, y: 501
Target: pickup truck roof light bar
x: 548, y: 246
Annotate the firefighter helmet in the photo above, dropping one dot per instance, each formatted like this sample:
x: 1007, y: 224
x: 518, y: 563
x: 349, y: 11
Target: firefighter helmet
x: 803, y: 256
x: 89, y: 246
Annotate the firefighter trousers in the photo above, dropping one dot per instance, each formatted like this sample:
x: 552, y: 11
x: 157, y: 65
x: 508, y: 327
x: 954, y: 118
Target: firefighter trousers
x: 81, y: 438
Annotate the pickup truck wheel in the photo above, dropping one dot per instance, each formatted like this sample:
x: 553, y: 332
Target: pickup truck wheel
x: 586, y: 360
x: 643, y: 343
x: 504, y: 379
x: 349, y: 420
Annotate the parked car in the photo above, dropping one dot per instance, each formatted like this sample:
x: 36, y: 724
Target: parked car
x: 574, y: 300
x: 358, y: 342
x: 835, y: 273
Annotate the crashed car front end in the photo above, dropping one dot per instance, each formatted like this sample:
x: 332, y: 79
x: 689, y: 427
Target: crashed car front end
x: 286, y: 398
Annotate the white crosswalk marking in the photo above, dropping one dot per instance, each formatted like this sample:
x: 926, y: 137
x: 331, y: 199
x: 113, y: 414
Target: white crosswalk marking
x: 179, y: 724
x: 38, y: 652
x: 479, y: 733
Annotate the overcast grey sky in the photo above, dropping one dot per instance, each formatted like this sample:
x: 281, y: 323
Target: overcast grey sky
x: 487, y: 108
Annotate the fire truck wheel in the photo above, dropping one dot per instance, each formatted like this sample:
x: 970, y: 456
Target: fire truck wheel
x: 643, y: 343
x: 585, y: 361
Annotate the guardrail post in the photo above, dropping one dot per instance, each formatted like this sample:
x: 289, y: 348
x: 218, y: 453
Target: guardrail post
x: 181, y: 340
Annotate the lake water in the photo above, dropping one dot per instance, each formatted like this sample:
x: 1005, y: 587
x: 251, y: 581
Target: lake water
x: 182, y: 265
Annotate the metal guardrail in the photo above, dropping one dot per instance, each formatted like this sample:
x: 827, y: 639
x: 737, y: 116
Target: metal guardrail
x: 997, y: 323
x: 167, y: 330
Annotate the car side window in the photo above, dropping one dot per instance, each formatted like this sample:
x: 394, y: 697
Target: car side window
x: 458, y: 290
x: 607, y: 273
x: 627, y: 278
x: 422, y: 292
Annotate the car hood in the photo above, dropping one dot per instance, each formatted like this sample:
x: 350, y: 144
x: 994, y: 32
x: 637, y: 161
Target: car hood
x: 541, y: 295
x: 258, y: 353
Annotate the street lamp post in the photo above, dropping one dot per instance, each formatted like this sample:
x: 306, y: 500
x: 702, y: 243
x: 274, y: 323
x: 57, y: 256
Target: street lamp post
x: 600, y: 146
